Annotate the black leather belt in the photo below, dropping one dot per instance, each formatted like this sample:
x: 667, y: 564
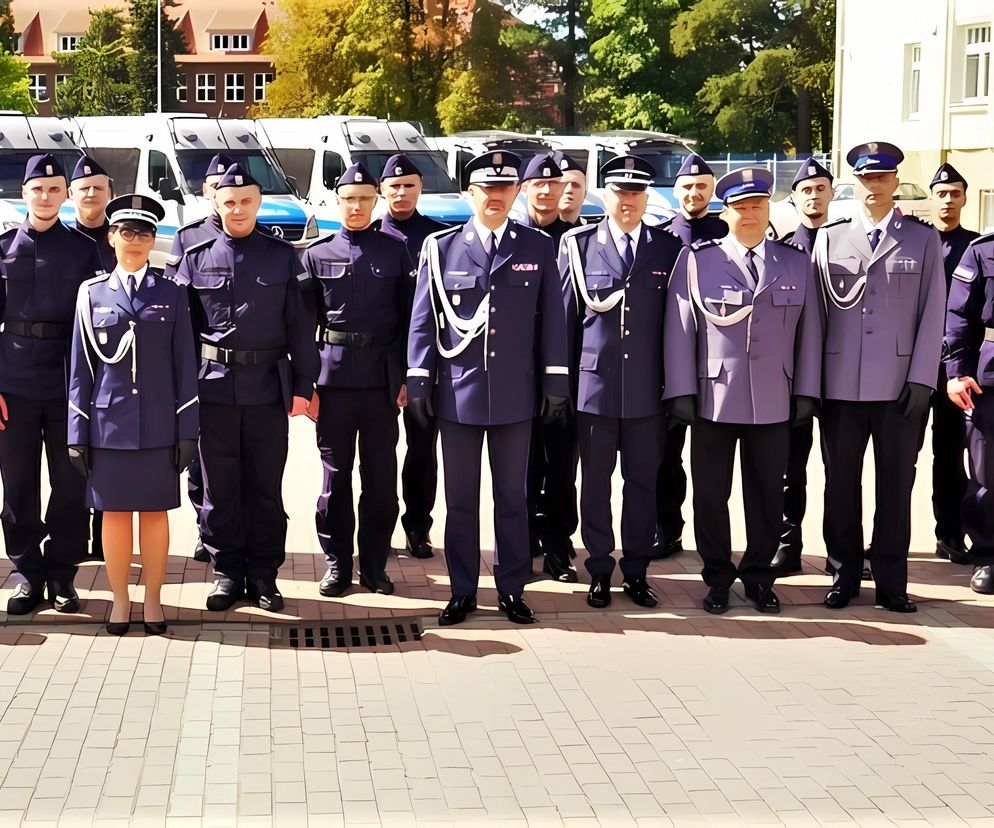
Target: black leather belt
x: 38, y: 330
x: 230, y: 356
x: 355, y: 339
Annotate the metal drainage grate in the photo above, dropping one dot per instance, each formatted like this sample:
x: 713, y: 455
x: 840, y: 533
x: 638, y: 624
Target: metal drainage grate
x: 340, y: 636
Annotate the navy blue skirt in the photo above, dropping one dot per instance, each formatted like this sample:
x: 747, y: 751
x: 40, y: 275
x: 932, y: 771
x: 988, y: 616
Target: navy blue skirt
x: 132, y: 480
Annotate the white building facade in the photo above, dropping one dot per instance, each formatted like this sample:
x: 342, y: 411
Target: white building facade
x: 918, y: 73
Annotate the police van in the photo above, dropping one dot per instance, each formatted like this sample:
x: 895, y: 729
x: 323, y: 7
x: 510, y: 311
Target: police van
x: 166, y: 156
x: 316, y: 151
x: 22, y: 136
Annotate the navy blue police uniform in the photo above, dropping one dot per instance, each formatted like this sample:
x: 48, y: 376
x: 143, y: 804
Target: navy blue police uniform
x: 41, y: 274
x: 363, y: 285
x: 255, y: 337
x: 419, y: 475
x: 85, y: 168
x: 487, y: 341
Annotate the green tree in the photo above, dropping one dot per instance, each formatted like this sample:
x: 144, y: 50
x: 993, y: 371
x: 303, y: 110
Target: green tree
x: 7, y: 29
x: 98, y: 84
x: 14, y: 83
x: 144, y: 49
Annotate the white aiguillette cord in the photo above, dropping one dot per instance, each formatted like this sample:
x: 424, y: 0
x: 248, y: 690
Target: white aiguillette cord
x: 465, y: 330
x: 842, y: 302
x: 715, y: 319
x: 128, y: 340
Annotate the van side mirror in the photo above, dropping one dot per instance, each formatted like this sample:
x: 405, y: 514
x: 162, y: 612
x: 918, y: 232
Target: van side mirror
x: 168, y: 191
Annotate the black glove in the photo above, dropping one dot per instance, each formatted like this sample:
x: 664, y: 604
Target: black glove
x: 914, y: 400
x: 555, y: 410
x: 682, y: 410
x: 802, y: 410
x: 186, y: 453
x: 420, y: 411
x: 79, y: 456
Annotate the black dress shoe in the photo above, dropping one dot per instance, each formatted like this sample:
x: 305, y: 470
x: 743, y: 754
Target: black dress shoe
x: 516, y: 609
x: 264, y: 593
x: 839, y: 598
x: 663, y: 548
x: 599, y: 594
x: 716, y: 601
x: 867, y: 573
x: 419, y: 545
x: 558, y: 563
x: 962, y: 556
x: 200, y: 554
x: 379, y: 584
x: 155, y: 627
x: 639, y: 591
x: 456, y: 610
x: 225, y: 593
x: 118, y: 627
x: 899, y: 603
x: 25, y: 599
x: 787, y: 560
x: 335, y: 583
x: 762, y: 598
x: 63, y: 597
x: 983, y: 580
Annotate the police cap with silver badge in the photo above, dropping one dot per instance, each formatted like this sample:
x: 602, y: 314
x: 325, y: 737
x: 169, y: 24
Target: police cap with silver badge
x: 542, y: 167
x: 495, y: 167
x: 693, y: 164
x: 86, y: 167
x: 42, y: 166
x: 749, y: 182
x: 566, y: 162
x: 947, y: 174
x: 356, y: 174
x: 874, y: 157
x: 810, y: 169
x: 399, y: 165
x: 628, y: 172
x: 235, y: 176
x: 133, y: 207
x: 219, y: 165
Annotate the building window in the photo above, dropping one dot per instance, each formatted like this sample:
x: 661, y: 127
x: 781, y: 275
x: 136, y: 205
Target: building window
x: 912, y: 79
x: 38, y: 88
x: 59, y: 80
x: 234, y: 88
x: 69, y: 43
x: 230, y: 42
x: 206, y: 88
x: 181, y: 87
x: 977, y: 78
x: 262, y: 81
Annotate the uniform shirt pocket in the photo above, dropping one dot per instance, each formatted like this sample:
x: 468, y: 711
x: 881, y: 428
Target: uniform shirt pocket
x: 787, y: 296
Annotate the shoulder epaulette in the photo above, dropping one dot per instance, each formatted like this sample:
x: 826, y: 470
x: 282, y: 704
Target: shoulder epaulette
x: 981, y: 239
x: 704, y: 243
x: 788, y: 241
x: 93, y: 280
x: 580, y: 230
x: 200, y: 245
x: 448, y: 231
x: 838, y: 221
x: 191, y: 224
x: 920, y: 220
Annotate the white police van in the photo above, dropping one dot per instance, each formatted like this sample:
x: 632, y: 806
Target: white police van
x: 166, y: 156
x: 316, y: 151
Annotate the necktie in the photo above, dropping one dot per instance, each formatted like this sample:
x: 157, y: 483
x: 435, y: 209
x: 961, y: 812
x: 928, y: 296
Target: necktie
x: 627, y: 255
x: 874, y: 238
x: 490, y: 246
x: 753, y: 270
x: 131, y: 286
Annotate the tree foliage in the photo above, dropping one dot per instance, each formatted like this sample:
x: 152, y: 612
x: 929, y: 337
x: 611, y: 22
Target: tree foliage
x: 144, y: 46
x: 14, y: 83
x: 99, y: 83
x: 7, y: 30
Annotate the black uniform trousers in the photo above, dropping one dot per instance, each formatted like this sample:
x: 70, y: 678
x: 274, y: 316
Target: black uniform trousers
x: 639, y: 440
x: 978, y: 502
x: 671, y: 485
x: 369, y: 416
x: 552, y: 463
x: 948, y: 472
x: 846, y: 428
x: 195, y: 486
x: 65, y: 530
x: 243, y: 451
x: 507, y: 448
x: 419, y: 476
x: 795, y: 487
x: 763, y: 456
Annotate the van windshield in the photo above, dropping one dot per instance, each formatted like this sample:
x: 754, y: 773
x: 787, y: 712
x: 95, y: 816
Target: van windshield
x: 193, y: 164
x: 13, y: 161
x: 666, y: 161
x: 432, y: 166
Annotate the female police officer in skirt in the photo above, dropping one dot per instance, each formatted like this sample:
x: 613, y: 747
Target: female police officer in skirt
x: 133, y: 415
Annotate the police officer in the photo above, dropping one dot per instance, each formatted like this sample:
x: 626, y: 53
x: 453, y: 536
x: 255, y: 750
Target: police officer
x: 42, y: 263
x: 90, y: 190
x: 249, y: 315
x: 363, y: 284
x: 693, y: 188
x: 742, y: 359
x: 881, y: 274
x: 401, y: 185
x: 811, y: 191
x: 969, y: 365
x: 574, y: 188
x: 487, y: 332
x: 133, y: 417
x: 551, y: 460
x: 615, y: 278
x: 188, y: 235
x: 948, y: 424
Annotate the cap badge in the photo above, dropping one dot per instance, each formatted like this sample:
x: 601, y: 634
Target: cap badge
x: 563, y: 164
x: 87, y: 170
x: 238, y: 181
x: 136, y: 202
x: 812, y: 169
x: 398, y: 170
x: 358, y: 176
x: 943, y: 175
x: 747, y: 175
x: 629, y: 163
x: 694, y: 169
x: 546, y: 172
x: 498, y: 159
x: 49, y: 170
x: 220, y: 168
x: 872, y: 147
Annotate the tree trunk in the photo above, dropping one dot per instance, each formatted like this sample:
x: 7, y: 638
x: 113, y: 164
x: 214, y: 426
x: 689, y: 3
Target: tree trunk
x: 803, y: 122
